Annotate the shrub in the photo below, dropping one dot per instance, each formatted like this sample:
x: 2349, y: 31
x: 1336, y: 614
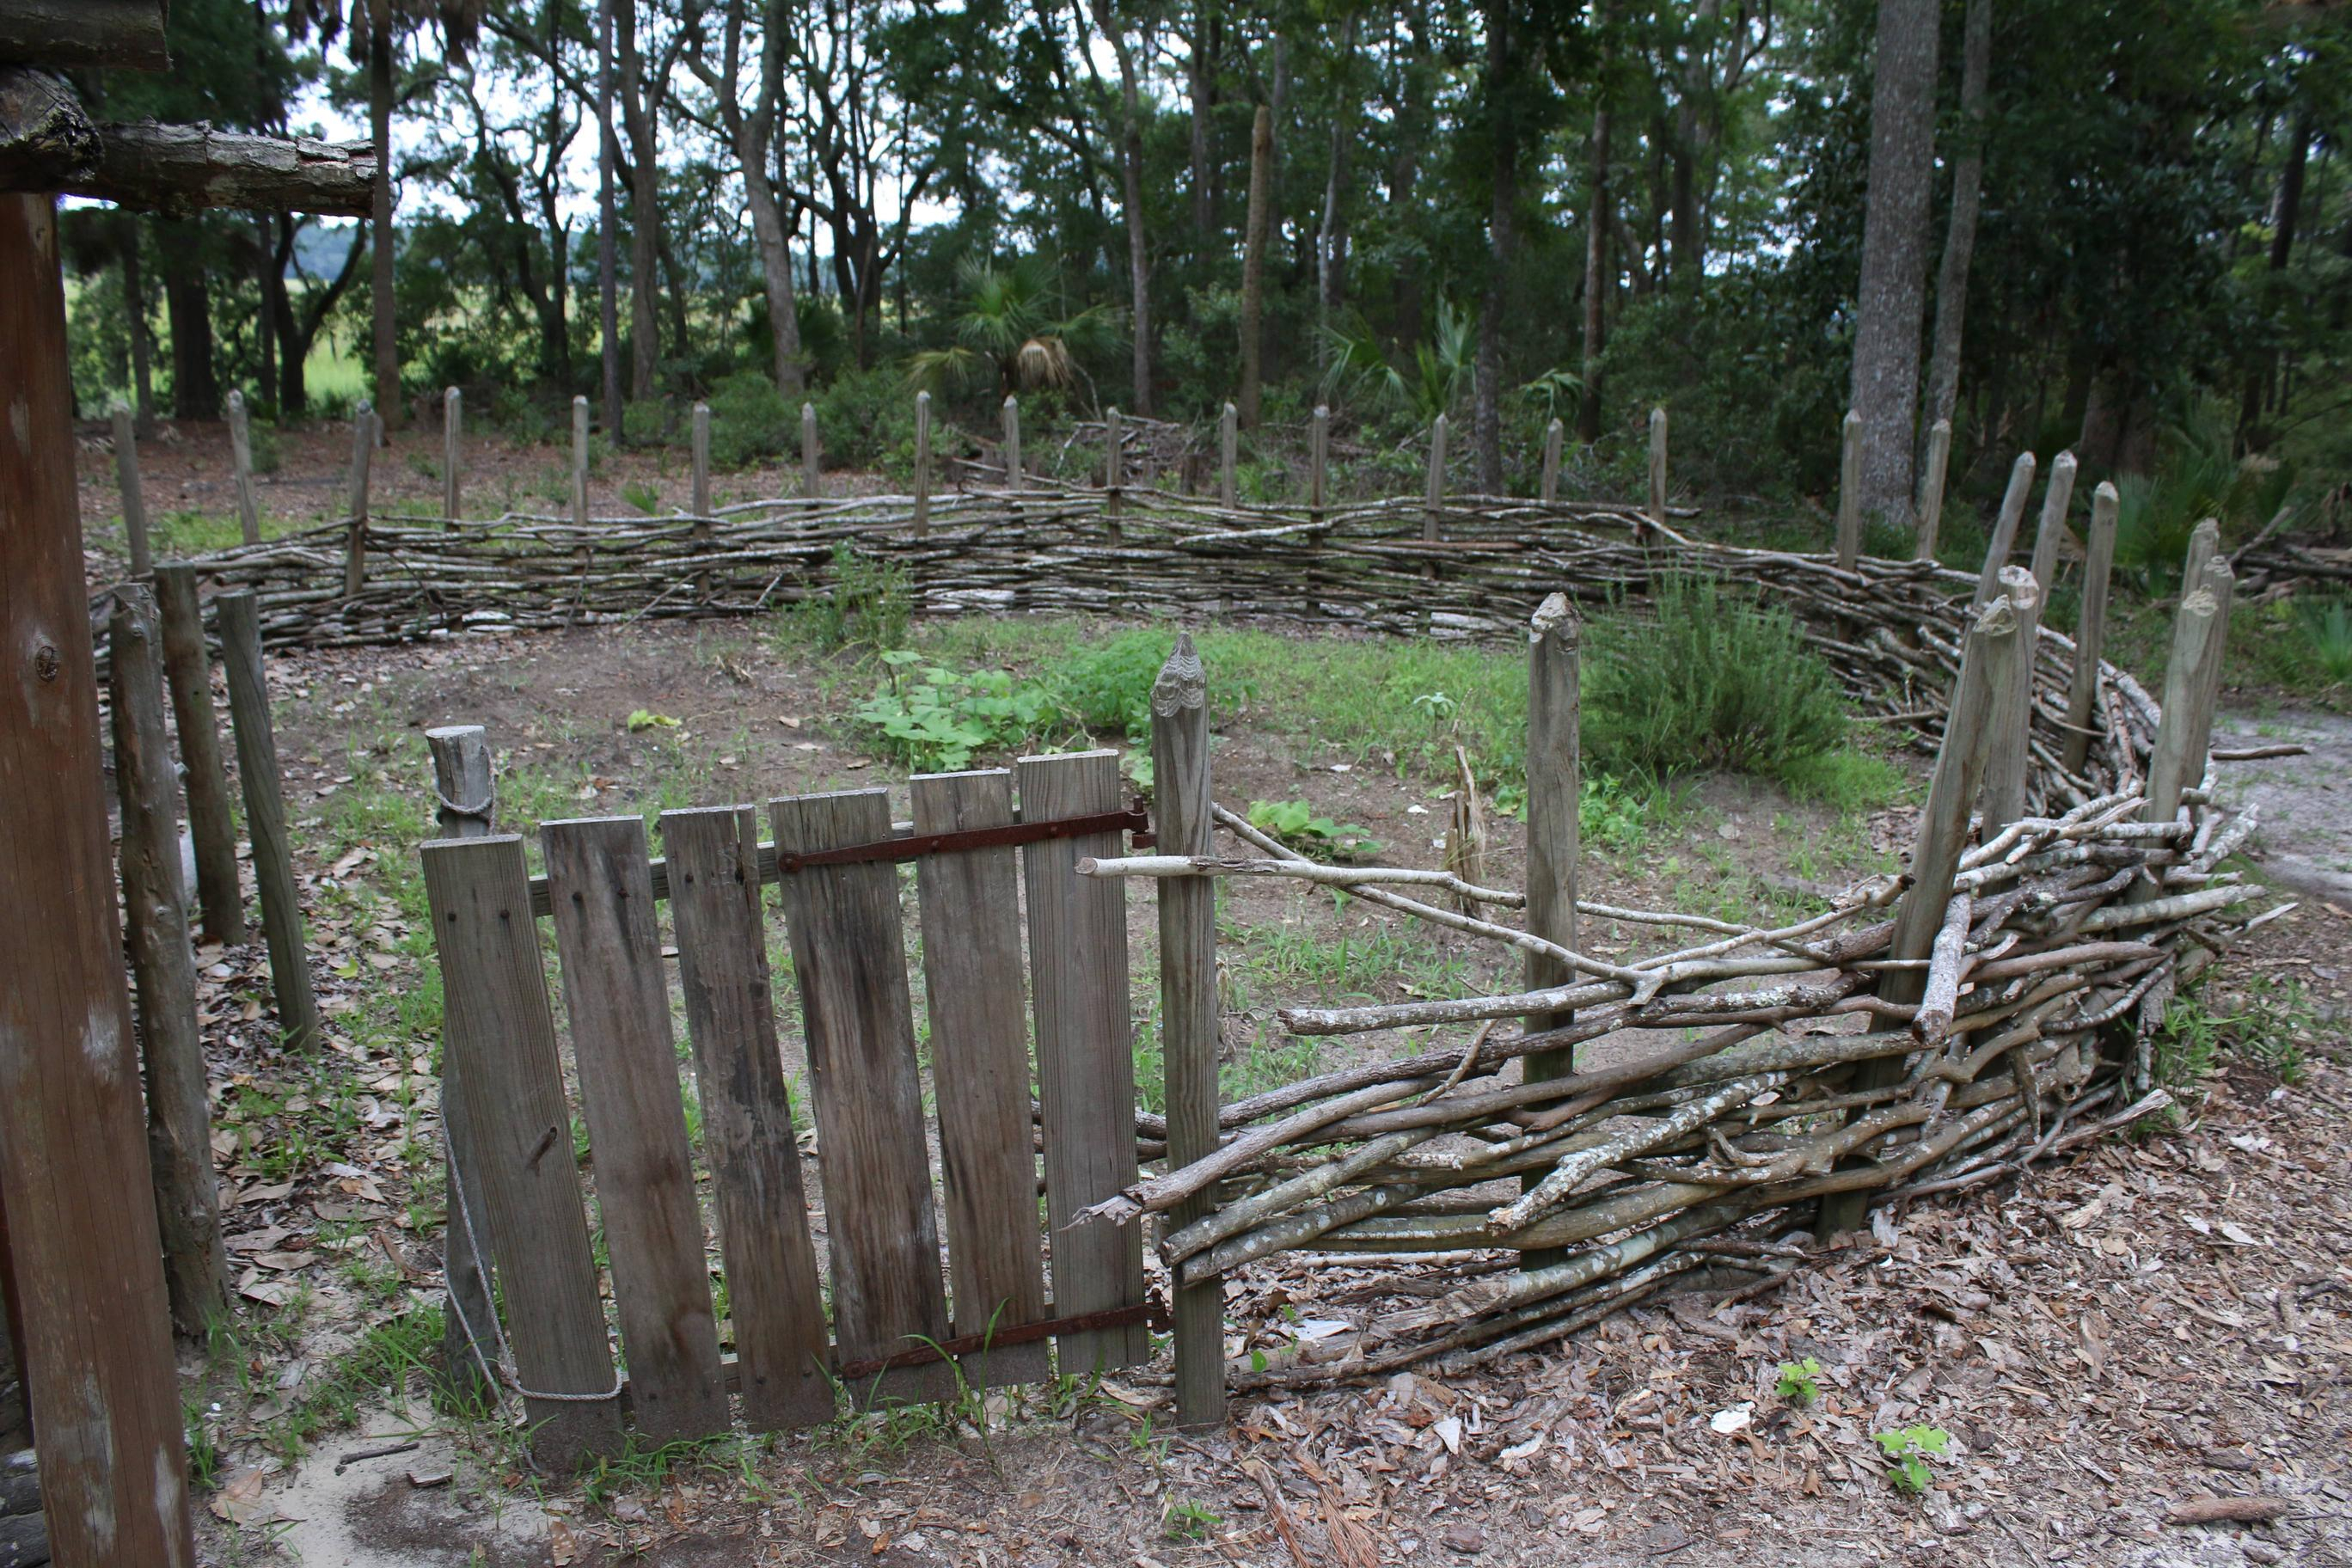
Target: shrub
x: 1708, y: 677
x: 934, y: 718
x: 649, y: 423
x: 749, y: 420
x: 866, y: 419
x: 1108, y: 685
x: 867, y: 604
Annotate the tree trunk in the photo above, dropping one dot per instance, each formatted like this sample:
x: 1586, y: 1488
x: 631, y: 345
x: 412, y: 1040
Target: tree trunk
x: 1253, y: 263
x: 638, y: 110
x: 272, y: 290
x: 1960, y: 235
x: 1201, y: 82
x: 1487, y: 414
x: 775, y: 259
x: 187, y: 302
x: 142, y: 347
x: 2262, y: 369
x: 387, y: 342
x: 1139, y: 248
x: 608, y: 223
x: 1886, y: 388
x: 1331, y: 237
x: 1600, y: 278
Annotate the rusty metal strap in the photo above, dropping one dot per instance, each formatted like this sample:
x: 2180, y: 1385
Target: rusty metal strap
x: 914, y: 845
x: 1151, y: 1314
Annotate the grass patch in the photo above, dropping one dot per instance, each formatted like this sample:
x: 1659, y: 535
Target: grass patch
x: 2265, y: 1024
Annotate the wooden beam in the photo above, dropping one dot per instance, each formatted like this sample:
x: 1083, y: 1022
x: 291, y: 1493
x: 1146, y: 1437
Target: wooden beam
x: 126, y: 34
x: 73, y: 1152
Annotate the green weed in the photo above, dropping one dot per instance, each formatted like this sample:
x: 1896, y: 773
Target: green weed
x: 1186, y: 1519
x: 865, y: 603
x: 1908, y: 1451
x: 2265, y: 1025
x: 1296, y: 824
x: 1799, y: 1382
x: 935, y: 719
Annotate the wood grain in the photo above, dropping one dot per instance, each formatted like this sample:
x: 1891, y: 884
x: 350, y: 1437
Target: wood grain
x: 1086, y: 1064
x: 616, y: 1001
x: 849, y: 959
x: 980, y: 1070
x: 265, y: 819
x: 772, y: 1289
x: 524, y: 1193
x: 464, y: 782
x: 188, y: 673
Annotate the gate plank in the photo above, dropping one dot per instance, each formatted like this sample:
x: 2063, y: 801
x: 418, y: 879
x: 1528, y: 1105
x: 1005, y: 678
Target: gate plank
x: 849, y: 958
x: 616, y: 999
x: 1086, y: 1061
x: 500, y: 1036
x: 979, y: 1067
x: 778, y: 1310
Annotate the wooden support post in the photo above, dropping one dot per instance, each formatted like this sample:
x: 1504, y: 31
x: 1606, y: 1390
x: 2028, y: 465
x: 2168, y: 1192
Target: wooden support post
x: 2056, y: 500
x: 1434, y: 496
x: 453, y: 452
x: 2091, y: 627
x: 240, y: 448
x: 188, y: 673
x: 2009, y: 747
x: 1554, y: 433
x: 1113, y: 472
x: 1014, y: 474
x: 1992, y: 646
x: 179, y: 1120
x: 1188, y: 1031
x: 126, y: 478
x: 812, y: 471
x: 1228, y: 454
x: 1554, y: 786
x: 701, y: 501
x: 265, y: 818
x: 465, y: 790
x: 2004, y: 528
x: 1931, y: 489
x: 580, y: 462
x: 1319, y: 462
x: 2192, y: 682
x: 1658, y: 467
x: 2204, y: 543
x: 922, y: 464
x: 1849, y: 510
x: 363, y: 437
x: 84, y: 1255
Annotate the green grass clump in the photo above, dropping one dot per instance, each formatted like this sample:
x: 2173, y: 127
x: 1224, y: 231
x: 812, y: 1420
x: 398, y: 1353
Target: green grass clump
x: 2264, y: 1026
x: 2323, y: 631
x: 866, y: 604
x: 1708, y: 678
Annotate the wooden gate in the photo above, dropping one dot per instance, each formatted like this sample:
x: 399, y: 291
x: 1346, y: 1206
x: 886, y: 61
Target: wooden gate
x: 877, y: 1316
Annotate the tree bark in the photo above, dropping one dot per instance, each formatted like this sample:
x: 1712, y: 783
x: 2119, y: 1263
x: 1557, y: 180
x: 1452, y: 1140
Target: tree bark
x: 142, y: 348
x: 752, y: 133
x: 187, y: 303
x: 1960, y: 234
x: 1139, y: 248
x: 1487, y: 414
x: 1885, y: 388
x: 608, y: 219
x: 1201, y: 82
x: 1253, y: 263
x: 2262, y: 369
x: 1330, y: 238
x: 387, y: 342
x: 638, y: 110
x: 1599, y: 273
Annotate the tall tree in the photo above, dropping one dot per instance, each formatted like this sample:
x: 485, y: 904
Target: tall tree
x: 1961, y: 229
x: 1253, y: 266
x: 751, y: 132
x: 1138, y: 245
x: 1599, y: 270
x: 1885, y: 381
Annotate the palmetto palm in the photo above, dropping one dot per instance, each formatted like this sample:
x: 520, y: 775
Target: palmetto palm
x: 1007, y: 324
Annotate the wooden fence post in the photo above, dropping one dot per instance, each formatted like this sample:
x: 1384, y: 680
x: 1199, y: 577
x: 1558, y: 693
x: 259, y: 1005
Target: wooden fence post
x: 1014, y: 474
x: 179, y: 1120
x: 2204, y: 543
x: 1658, y: 467
x: 2009, y: 748
x: 126, y: 478
x: 1931, y: 489
x: 1228, y: 453
x: 1434, y: 495
x: 701, y: 426
x: 453, y: 452
x: 812, y: 472
x: 922, y: 464
x: 265, y: 819
x: 96, y: 1340
x: 1319, y: 462
x: 2192, y: 681
x: 1188, y: 1031
x: 188, y: 673
x: 1554, y: 786
x: 1113, y: 472
x: 1991, y: 646
x: 1849, y: 510
x: 2091, y: 627
x: 240, y: 449
x: 2004, y: 528
x: 580, y: 462
x: 363, y: 434
x: 1554, y: 433
x: 2056, y: 500
x: 464, y: 791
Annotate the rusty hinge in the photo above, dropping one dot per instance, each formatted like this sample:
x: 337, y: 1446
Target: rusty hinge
x: 914, y: 845
x: 1151, y: 1314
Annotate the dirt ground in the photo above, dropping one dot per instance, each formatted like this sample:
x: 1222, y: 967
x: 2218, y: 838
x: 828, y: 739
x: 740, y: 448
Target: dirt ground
x: 2163, y: 1318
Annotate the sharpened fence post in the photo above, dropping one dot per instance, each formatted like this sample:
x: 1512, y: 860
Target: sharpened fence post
x: 134, y: 497
x: 922, y: 464
x: 265, y: 819
x: 580, y: 462
x: 1554, y: 434
x: 1658, y: 469
x: 2056, y: 500
x: 1554, y: 788
x: 2010, y: 749
x: 1190, y: 1034
x: 702, y: 460
x: 2192, y: 681
x: 453, y: 453
x: 1318, y: 460
x: 1012, y: 453
x: 1849, y: 511
x: 364, y: 434
x: 2091, y: 627
x: 812, y: 470
x: 2004, y: 528
x: 1931, y: 489
x: 1228, y: 454
x: 240, y: 448
x: 188, y: 673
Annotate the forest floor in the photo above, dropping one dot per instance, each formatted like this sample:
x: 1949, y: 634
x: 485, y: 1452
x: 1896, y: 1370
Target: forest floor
x: 2161, y: 1320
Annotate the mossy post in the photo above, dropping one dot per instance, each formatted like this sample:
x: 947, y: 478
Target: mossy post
x: 922, y: 464
x: 1190, y: 1034
x: 1931, y: 489
x: 2090, y: 629
x: 240, y: 447
x: 1849, y: 510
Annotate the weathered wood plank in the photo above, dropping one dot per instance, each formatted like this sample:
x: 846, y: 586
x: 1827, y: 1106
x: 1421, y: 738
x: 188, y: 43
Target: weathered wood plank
x: 979, y: 1068
x: 523, y: 1198
x: 616, y: 1000
x: 1086, y: 1064
x: 849, y: 959
x: 774, y: 1294
x: 466, y: 799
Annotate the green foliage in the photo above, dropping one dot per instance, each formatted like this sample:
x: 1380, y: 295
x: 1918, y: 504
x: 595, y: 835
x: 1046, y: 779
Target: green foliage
x: 652, y: 423
x: 1708, y: 678
x: 868, y: 604
x: 1108, y: 685
x: 866, y: 419
x: 1800, y: 1381
x: 643, y: 495
x: 1908, y: 1451
x: 1424, y: 388
x: 749, y: 420
x: 1616, y: 814
x: 934, y: 719
x: 1187, y: 1520
x: 642, y: 719
x: 2323, y: 628
x: 1011, y: 330
x: 1296, y: 824
x: 2265, y: 1024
